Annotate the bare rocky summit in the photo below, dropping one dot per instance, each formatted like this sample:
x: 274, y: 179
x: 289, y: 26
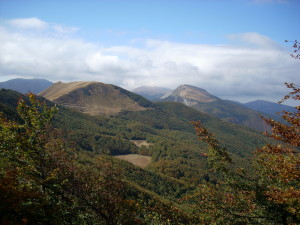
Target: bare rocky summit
x: 190, y: 95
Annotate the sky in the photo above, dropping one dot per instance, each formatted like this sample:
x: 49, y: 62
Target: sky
x: 234, y: 49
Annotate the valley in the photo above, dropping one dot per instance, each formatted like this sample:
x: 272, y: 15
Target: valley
x: 152, y: 146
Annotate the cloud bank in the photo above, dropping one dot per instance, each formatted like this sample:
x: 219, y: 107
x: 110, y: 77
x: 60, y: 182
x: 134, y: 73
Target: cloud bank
x: 251, y: 66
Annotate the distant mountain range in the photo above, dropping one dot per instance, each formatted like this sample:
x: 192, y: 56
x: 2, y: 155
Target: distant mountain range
x: 268, y: 107
x: 151, y: 93
x: 96, y: 98
x: 26, y: 85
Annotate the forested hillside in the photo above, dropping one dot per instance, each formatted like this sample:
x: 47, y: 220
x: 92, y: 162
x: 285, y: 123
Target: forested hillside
x: 175, y: 150
x: 81, y: 144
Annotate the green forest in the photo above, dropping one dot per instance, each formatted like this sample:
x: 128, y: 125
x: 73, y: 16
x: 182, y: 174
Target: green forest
x: 57, y: 166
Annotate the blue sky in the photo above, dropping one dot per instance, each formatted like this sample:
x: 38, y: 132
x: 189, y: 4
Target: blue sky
x: 192, y: 21
x: 233, y: 48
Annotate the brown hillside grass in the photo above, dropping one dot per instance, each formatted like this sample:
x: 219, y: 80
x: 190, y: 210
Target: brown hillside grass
x: 137, y: 160
x: 59, y: 89
x: 94, y: 98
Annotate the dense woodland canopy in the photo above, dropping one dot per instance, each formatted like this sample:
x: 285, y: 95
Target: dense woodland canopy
x: 45, y: 181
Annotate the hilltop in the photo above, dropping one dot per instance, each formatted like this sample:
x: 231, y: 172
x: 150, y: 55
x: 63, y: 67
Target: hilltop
x: 95, y: 98
x: 205, y: 102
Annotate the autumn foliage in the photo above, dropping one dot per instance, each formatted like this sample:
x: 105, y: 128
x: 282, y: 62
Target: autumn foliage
x: 46, y: 179
x: 296, y: 47
x: 43, y: 182
x: 270, y: 194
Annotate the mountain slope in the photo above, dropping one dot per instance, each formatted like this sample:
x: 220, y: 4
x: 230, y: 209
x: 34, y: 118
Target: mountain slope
x: 144, y: 185
x: 26, y: 85
x: 151, y: 93
x: 95, y: 98
x: 229, y: 111
x: 174, y: 148
x: 268, y: 107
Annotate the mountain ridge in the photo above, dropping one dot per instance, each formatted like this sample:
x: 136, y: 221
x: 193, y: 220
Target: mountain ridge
x: 268, y: 107
x: 167, y: 126
x: 229, y: 111
x: 95, y: 98
x: 21, y: 85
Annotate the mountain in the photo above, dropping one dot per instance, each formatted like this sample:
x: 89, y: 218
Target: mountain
x: 95, y: 98
x: 268, y: 107
x: 26, y: 85
x: 178, y: 164
x: 203, y: 101
x: 84, y: 130
x: 174, y: 148
x: 189, y: 95
x: 151, y: 93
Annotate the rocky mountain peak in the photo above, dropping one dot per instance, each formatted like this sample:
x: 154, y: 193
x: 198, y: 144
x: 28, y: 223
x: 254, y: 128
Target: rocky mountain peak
x: 191, y: 93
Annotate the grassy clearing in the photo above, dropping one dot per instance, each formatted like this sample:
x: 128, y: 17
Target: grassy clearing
x: 137, y: 160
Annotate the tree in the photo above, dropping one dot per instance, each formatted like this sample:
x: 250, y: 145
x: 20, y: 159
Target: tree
x: 42, y: 181
x: 268, y: 195
x: 23, y: 165
x: 296, y: 46
x: 45, y: 181
x: 279, y: 165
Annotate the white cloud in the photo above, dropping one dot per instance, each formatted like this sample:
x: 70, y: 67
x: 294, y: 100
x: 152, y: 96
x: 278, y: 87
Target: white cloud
x: 252, y: 67
x: 63, y: 29
x: 98, y: 62
x: 28, y: 23
x: 253, y: 39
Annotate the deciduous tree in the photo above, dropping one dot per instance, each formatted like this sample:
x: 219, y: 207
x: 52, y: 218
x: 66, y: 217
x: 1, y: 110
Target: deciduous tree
x: 42, y: 181
x: 270, y: 194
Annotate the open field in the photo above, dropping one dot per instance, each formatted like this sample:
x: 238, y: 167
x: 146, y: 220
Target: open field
x: 138, y: 160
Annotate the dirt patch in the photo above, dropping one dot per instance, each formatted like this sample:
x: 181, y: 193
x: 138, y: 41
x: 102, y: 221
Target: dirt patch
x: 140, y: 143
x: 137, y: 160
